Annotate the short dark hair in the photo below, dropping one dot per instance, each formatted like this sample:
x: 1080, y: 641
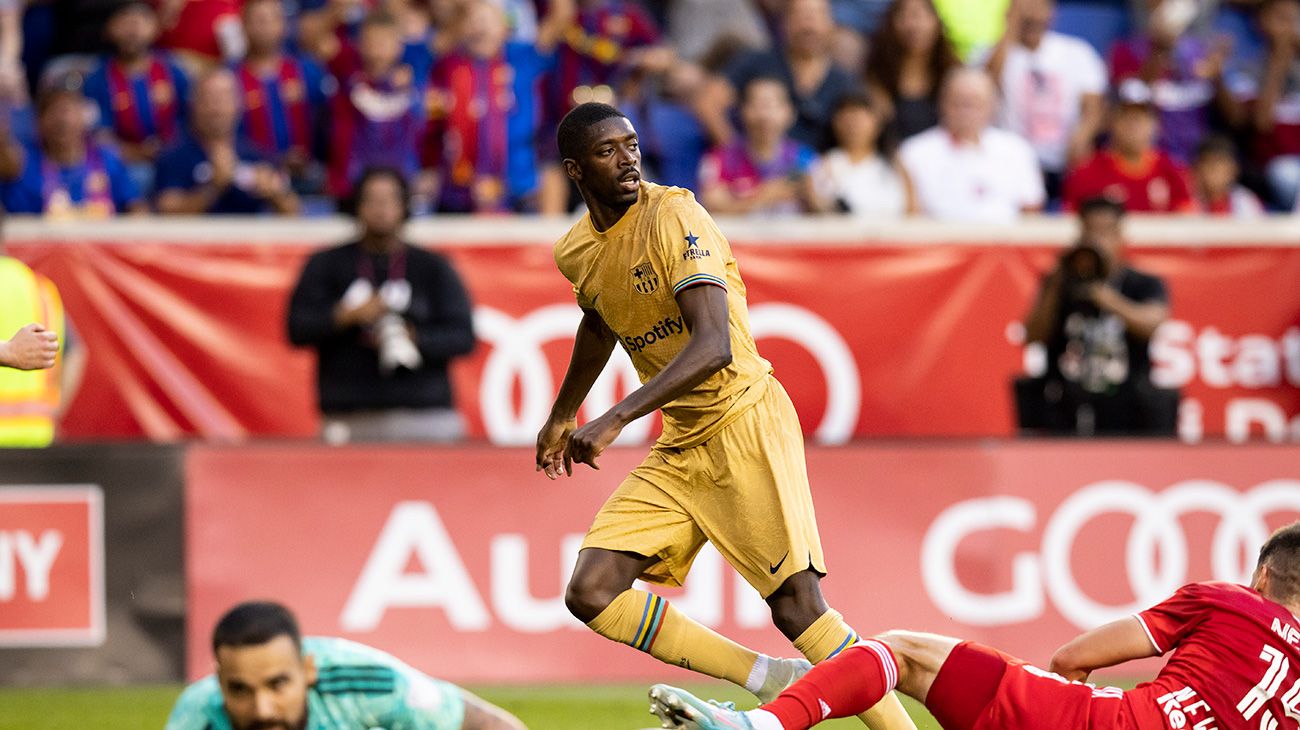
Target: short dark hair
x: 1216, y: 145
x: 859, y: 98
x: 1101, y: 204
x: 353, y: 201
x: 751, y: 82
x: 1281, y: 555
x: 254, y: 623
x: 132, y: 6
x: 380, y: 19
x: 571, y: 137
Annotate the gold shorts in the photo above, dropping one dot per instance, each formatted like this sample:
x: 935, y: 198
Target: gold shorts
x: 745, y: 490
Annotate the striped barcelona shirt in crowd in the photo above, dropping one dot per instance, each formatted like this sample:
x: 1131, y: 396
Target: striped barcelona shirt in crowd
x: 280, y: 102
x: 140, y: 106
x: 482, y: 136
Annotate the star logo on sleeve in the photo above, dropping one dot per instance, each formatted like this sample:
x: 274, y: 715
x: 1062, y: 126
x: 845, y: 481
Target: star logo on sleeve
x: 694, y: 251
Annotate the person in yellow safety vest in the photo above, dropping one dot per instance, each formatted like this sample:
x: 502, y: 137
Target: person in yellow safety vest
x: 33, y: 399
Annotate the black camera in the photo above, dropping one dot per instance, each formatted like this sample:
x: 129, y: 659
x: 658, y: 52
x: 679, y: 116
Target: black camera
x: 1082, y: 266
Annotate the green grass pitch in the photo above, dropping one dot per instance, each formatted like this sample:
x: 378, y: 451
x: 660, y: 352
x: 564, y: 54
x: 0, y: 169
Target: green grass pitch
x: 565, y: 707
x: 562, y: 707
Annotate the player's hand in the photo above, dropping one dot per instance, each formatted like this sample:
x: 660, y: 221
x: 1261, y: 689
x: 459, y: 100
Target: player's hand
x: 593, y: 438
x: 32, y: 348
x: 552, y: 440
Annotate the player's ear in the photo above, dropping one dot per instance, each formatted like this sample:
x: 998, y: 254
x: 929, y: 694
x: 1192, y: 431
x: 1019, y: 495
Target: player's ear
x: 309, y: 668
x: 572, y: 169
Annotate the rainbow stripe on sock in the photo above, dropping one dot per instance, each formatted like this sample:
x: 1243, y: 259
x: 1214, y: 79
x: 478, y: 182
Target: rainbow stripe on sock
x: 652, y: 619
x: 850, y: 641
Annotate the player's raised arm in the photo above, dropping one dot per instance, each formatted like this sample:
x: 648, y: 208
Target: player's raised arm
x: 1105, y: 646
x: 704, y: 311
x: 591, y: 348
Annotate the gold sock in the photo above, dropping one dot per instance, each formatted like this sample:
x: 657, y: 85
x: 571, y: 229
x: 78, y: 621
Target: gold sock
x: 649, y: 623
x: 828, y: 636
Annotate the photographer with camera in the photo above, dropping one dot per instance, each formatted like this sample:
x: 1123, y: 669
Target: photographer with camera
x: 386, y: 318
x: 1095, y: 316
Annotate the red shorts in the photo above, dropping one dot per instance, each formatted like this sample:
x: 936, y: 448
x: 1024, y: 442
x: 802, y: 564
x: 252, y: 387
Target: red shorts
x: 979, y: 688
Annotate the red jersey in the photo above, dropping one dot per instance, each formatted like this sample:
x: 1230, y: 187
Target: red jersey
x: 1235, y: 663
x: 1155, y: 184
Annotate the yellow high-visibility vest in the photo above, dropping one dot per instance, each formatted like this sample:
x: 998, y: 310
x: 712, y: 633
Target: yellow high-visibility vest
x: 28, y: 399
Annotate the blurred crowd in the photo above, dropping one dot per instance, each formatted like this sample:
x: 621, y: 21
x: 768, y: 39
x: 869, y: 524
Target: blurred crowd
x: 968, y: 110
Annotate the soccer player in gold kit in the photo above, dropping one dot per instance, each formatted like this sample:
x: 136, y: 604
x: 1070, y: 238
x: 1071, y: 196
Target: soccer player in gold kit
x: 652, y: 272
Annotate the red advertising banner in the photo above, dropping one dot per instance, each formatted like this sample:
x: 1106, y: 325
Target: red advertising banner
x: 456, y: 559
x: 189, y: 338
x: 51, y: 566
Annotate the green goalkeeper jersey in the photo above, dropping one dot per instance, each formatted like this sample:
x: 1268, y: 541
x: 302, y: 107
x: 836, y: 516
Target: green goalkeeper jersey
x: 358, y: 688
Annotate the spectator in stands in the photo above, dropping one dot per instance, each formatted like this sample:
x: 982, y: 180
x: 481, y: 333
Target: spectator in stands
x: 1096, y: 315
x: 379, y: 112
x: 909, y: 58
x: 1215, y: 178
x: 485, y: 113
x: 142, y: 94
x: 1053, y: 88
x: 604, y: 41
x: 967, y: 170
x: 861, y: 175
x: 67, y: 174
x: 765, y: 171
x: 1185, y: 74
x: 386, y: 319
x: 973, y: 27
x: 695, y: 27
x: 1132, y: 170
x: 201, y: 32
x: 805, y: 65
x: 667, y: 110
x: 212, y: 169
x: 1271, y: 89
x: 327, y: 28
x: 283, y: 94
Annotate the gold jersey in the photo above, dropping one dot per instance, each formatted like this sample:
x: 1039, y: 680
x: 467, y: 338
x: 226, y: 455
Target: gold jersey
x: 630, y: 274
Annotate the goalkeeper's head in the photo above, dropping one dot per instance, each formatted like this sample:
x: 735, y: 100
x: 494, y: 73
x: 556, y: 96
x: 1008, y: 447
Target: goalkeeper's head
x: 263, y: 673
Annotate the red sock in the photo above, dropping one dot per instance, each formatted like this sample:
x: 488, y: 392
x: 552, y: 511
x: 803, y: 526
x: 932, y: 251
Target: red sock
x: 843, y: 686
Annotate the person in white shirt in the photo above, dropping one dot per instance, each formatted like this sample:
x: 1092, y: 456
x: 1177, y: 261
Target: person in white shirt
x: 860, y: 176
x: 1053, y: 87
x: 966, y: 170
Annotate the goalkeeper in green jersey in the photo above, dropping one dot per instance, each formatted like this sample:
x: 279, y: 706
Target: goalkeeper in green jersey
x: 269, y: 677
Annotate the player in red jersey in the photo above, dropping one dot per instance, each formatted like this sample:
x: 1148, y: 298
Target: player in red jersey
x: 1235, y: 666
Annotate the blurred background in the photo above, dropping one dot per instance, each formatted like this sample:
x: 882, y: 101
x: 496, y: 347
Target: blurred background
x: 1028, y: 270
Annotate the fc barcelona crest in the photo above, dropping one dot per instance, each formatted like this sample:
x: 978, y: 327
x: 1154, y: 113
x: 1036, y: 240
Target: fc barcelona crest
x: 644, y: 278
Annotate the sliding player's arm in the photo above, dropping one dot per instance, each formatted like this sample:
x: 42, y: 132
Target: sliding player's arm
x: 591, y: 349
x: 483, y: 715
x: 1105, y: 646
x: 705, y: 314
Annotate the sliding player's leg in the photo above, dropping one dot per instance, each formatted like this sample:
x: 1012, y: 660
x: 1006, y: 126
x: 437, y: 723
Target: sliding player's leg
x: 843, y: 686
x: 820, y: 633
x: 754, y: 504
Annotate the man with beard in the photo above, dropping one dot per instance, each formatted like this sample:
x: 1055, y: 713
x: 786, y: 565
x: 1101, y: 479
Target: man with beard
x: 269, y: 677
